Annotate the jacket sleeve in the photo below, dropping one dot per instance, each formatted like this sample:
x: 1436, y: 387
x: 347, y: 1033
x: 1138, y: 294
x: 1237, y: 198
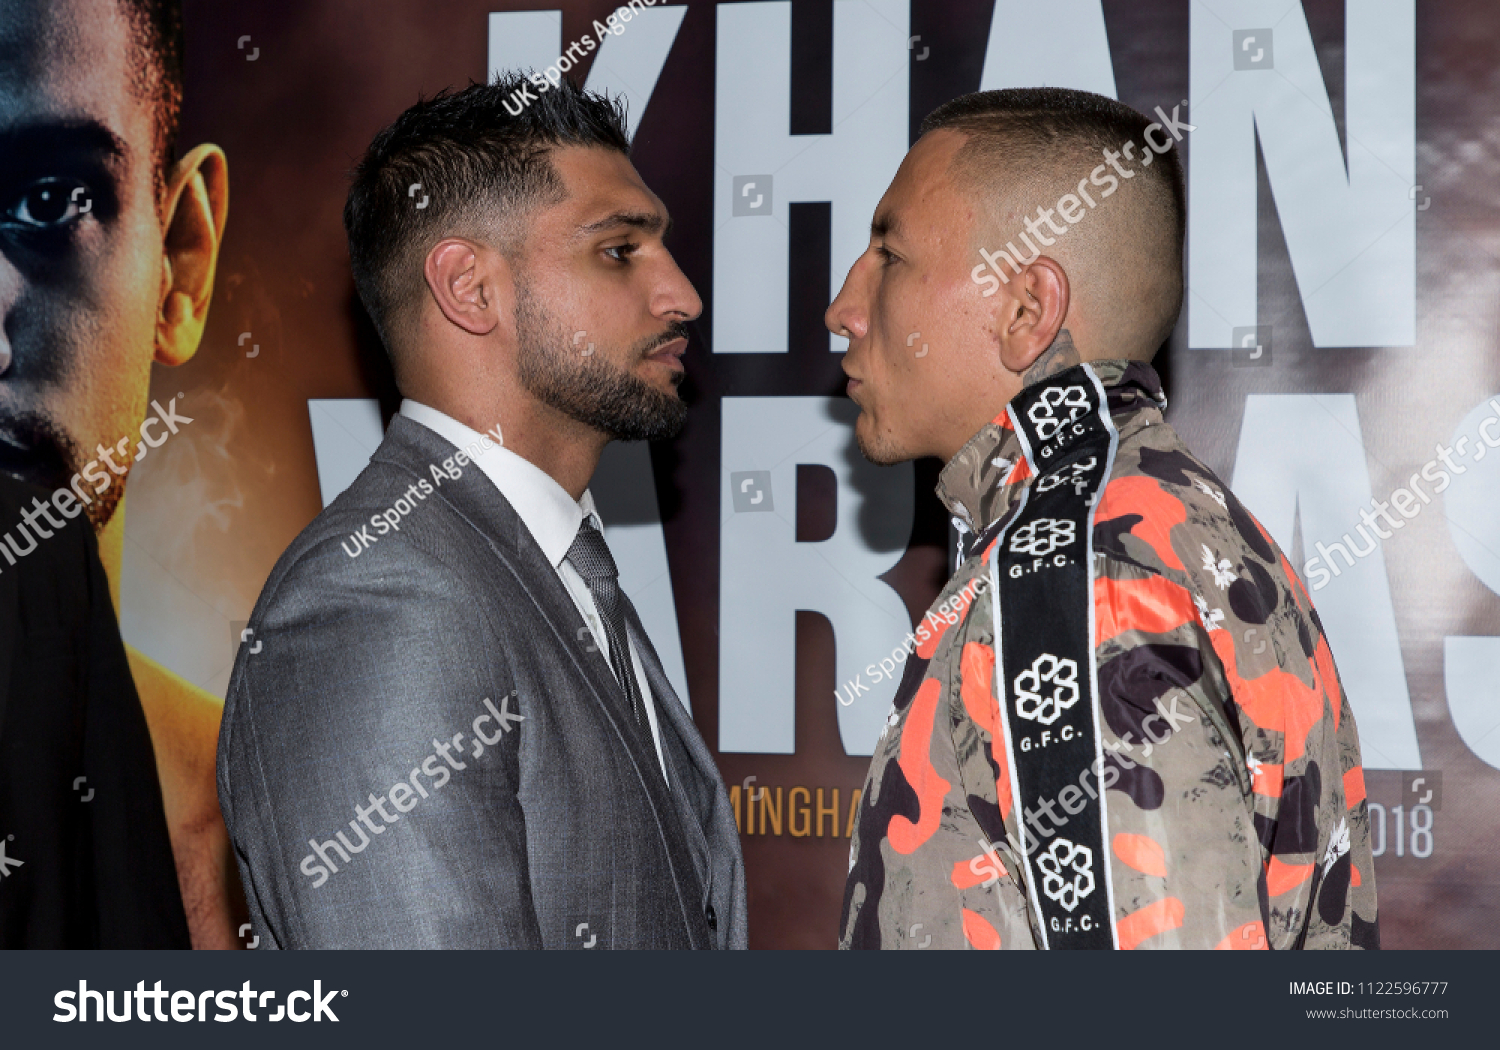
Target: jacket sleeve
x: 369, y: 761
x: 1300, y: 748
x: 1341, y: 910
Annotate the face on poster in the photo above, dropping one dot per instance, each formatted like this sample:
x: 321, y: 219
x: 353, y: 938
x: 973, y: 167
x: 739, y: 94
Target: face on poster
x: 109, y: 231
x: 1327, y: 362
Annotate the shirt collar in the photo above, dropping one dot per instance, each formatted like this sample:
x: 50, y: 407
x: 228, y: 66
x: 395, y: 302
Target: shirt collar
x: 548, y: 512
x: 982, y: 479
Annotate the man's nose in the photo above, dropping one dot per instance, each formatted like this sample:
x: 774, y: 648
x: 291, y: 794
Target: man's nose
x: 847, y: 315
x: 676, y: 297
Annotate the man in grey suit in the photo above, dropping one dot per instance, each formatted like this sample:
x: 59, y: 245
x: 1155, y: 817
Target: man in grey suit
x: 448, y: 728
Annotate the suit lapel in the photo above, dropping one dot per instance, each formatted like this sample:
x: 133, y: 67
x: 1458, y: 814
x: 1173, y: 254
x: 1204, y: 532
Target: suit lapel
x: 702, y: 798
x: 669, y: 708
x: 552, y: 600
x: 673, y: 721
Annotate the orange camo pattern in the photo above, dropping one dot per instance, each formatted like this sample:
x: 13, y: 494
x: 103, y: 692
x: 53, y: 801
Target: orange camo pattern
x: 979, y: 933
x: 977, y: 672
x: 916, y: 763
x: 1160, y: 510
x: 972, y: 872
x: 1249, y: 937
x: 1154, y: 605
x: 1354, y: 787
x: 1141, y: 852
x: 1245, y: 827
x: 1147, y: 922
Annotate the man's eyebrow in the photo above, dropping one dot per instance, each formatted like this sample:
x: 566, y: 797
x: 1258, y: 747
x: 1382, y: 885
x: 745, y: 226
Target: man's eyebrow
x: 70, y: 136
x: 646, y: 221
x: 885, y: 225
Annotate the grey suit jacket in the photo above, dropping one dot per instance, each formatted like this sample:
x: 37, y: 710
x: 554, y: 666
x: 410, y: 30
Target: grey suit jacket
x: 422, y: 747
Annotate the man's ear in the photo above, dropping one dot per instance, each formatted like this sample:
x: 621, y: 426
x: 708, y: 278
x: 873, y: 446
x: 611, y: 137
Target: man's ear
x: 471, y: 284
x: 197, y: 206
x: 1035, y: 314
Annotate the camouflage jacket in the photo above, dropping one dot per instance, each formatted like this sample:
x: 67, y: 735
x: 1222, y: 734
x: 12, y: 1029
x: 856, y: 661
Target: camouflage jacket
x: 1196, y: 784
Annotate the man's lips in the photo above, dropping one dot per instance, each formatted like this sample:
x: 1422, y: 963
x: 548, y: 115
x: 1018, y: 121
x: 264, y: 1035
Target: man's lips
x: 669, y: 353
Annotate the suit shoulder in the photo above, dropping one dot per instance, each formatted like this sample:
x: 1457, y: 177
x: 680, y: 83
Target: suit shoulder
x: 384, y: 531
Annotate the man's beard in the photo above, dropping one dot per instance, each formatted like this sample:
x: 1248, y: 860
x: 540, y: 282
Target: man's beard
x: 587, y: 386
x: 34, y: 449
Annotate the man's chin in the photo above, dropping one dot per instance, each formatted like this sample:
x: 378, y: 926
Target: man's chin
x: 637, y: 412
x: 36, y: 450
x: 878, y: 450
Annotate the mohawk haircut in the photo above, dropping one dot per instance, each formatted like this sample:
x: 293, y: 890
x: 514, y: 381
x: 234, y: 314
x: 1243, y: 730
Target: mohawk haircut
x: 480, y: 169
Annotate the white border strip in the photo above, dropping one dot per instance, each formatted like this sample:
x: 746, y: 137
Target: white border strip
x: 1088, y: 538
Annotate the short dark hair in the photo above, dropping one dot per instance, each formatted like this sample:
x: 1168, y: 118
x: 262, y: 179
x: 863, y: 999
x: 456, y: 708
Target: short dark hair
x: 481, y: 157
x: 1040, y: 121
x: 1033, y: 137
x: 156, y: 29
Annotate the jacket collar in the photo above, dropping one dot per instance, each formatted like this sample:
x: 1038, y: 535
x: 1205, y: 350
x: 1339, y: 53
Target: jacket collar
x: 980, y: 483
x: 544, y: 506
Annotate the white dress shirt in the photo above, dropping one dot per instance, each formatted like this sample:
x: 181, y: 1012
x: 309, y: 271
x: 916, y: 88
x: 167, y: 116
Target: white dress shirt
x: 552, y: 517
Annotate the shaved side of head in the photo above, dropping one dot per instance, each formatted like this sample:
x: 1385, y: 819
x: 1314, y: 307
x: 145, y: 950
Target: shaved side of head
x: 481, y: 170
x: 1027, y: 150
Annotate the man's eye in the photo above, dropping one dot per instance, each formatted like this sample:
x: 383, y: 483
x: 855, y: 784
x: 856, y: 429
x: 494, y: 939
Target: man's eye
x: 50, y: 203
x: 886, y: 255
x: 623, y: 249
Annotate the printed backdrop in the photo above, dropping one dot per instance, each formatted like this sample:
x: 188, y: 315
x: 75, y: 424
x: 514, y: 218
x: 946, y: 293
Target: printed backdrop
x: 1337, y: 348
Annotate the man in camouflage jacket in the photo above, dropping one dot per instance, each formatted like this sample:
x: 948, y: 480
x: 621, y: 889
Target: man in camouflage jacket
x: 1134, y: 733
x: 1233, y: 790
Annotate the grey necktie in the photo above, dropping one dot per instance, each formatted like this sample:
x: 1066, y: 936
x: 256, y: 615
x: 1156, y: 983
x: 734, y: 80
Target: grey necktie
x: 590, y: 556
